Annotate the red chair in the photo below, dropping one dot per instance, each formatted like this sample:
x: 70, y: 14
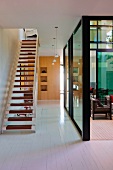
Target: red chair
x: 91, y: 89
x: 111, y: 98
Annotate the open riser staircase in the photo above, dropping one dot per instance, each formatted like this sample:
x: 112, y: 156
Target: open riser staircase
x: 21, y: 108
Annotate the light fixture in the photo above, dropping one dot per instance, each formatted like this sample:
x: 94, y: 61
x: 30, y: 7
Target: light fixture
x: 54, y: 60
x: 56, y: 55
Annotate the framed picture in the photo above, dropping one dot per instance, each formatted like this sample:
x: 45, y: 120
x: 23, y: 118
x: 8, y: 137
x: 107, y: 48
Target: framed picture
x: 75, y: 78
x: 75, y: 87
x: 75, y: 69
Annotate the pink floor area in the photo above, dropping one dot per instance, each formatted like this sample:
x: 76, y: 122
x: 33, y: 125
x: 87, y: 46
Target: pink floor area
x: 101, y: 129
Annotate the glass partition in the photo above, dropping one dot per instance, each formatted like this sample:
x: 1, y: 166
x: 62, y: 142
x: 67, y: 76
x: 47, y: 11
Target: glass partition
x: 101, y: 34
x: 93, y: 33
x: 93, y: 69
x: 101, y: 38
x: 105, y: 74
x: 88, y: 60
x: 66, y: 79
x: 77, y: 78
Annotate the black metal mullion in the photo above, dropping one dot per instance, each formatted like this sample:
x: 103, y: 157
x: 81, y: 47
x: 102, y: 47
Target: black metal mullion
x: 97, y: 74
x: 97, y: 34
x: 86, y: 77
x: 71, y: 77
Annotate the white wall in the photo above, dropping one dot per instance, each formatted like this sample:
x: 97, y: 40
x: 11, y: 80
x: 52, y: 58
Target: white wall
x: 8, y: 51
x: 21, y: 34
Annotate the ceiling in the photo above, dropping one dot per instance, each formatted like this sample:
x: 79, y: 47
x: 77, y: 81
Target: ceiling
x: 46, y: 14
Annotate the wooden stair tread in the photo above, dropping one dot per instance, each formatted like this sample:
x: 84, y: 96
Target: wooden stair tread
x: 20, y: 118
x: 25, y: 66
x: 25, y: 41
x: 21, y: 111
x: 26, y: 62
x: 23, y: 85
x: 25, y: 75
x: 28, y: 40
x: 27, y: 53
x: 24, y: 80
x: 23, y: 91
x: 22, y: 104
x: 18, y: 127
x: 26, y: 50
x: 22, y: 97
x: 21, y: 58
x: 29, y: 46
x: 25, y: 71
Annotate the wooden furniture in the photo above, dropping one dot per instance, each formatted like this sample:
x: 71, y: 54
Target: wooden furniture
x: 98, y: 108
x: 109, y: 101
x: 49, y: 78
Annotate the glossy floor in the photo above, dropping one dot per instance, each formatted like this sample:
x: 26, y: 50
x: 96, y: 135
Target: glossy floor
x: 56, y: 145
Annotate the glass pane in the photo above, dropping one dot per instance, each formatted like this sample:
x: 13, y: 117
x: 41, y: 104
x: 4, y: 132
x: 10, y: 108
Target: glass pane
x: 105, y: 22
x: 105, y: 74
x: 77, y: 77
x: 93, y: 34
x: 93, y: 46
x: 93, y: 22
x: 93, y: 69
x: 105, y: 46
x: 105, y: 34
x: 67, y: 79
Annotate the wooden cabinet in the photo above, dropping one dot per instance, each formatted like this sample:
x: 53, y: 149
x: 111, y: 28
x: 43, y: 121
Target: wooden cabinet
x: 49, y: 79
x: 43, y: 78
x: 43, y: 70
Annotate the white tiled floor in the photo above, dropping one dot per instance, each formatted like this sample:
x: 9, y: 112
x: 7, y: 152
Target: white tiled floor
x: 56, y: 145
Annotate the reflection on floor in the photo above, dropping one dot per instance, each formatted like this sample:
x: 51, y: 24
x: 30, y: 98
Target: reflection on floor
x: 56, y: 145
x: 77, y: 110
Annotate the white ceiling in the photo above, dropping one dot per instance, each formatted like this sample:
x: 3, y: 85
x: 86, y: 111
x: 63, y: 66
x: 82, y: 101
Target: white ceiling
x: 46, y: 14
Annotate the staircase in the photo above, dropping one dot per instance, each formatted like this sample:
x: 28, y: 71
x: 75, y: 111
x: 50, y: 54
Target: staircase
x: 21, y: 108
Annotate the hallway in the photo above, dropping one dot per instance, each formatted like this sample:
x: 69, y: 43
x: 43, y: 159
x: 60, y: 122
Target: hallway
x: 56, y: 145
